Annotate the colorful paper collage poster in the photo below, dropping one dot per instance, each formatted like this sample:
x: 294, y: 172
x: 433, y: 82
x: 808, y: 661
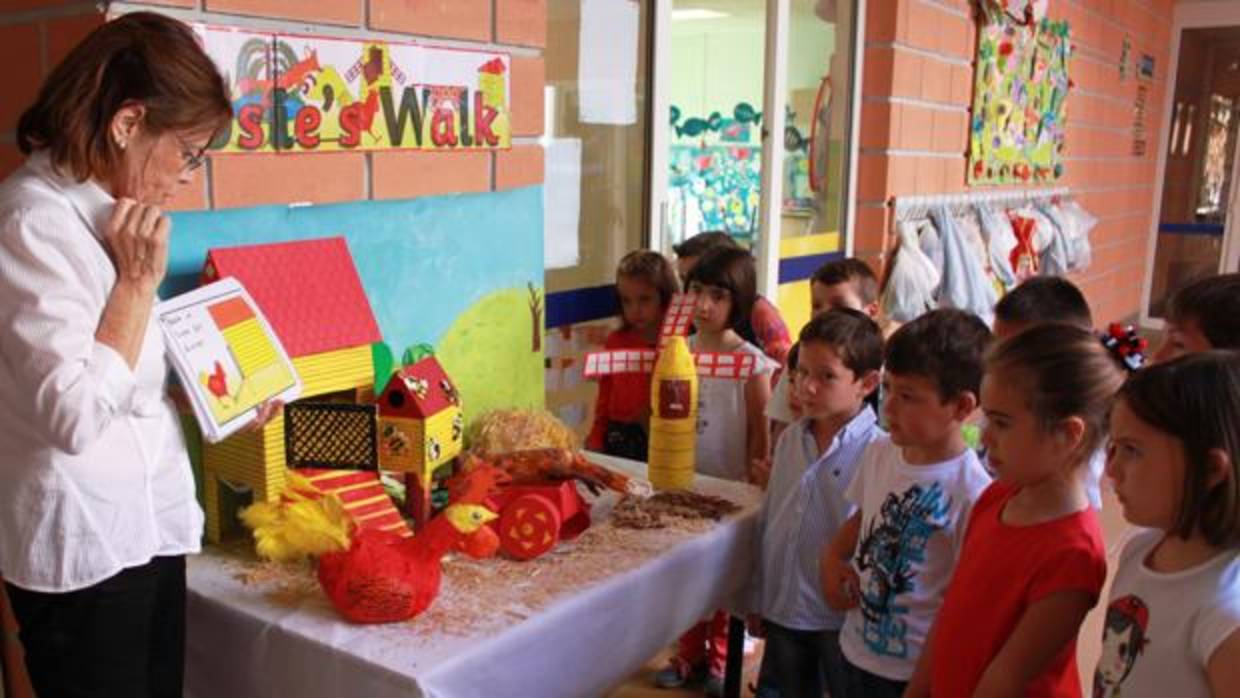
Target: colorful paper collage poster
x: 295, y: 93
x: 1020, y: 94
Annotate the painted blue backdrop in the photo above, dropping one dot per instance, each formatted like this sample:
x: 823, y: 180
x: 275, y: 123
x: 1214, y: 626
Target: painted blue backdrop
x: 450, y: 270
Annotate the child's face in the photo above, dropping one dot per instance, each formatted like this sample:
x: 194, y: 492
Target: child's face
x: 1017, y: 446
x: 639, y: 303
x: 1148, y: 468
x: 833, y: 297
x: 714, y: 307
x: 1180, y: 339
x: 824, y: 385
x: 915, y: 414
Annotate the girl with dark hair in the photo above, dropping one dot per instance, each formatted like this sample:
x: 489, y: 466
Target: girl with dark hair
x: 732, y: 435
x: 645, y: 284
x: 1173, y: 623
x: 97, y: 505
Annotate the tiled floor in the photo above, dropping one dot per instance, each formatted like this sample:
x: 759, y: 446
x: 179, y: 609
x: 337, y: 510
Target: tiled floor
x: 1114, y: 528
x: 639, y: 686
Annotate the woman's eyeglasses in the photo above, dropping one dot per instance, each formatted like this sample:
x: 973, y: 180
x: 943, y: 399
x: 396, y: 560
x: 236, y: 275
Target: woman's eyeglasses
x: 192, y: 160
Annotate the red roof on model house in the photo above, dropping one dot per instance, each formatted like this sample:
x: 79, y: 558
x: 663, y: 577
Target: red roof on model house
x: 308, y: 289
x: 418, y: 391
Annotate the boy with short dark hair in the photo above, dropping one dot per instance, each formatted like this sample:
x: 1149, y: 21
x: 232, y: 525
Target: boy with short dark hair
x: 914, y: 491
x: 839, y: 356
x: 840, y: 283
x: 1201, y: 316
x: 1040, y: 300
x: 844, y: 283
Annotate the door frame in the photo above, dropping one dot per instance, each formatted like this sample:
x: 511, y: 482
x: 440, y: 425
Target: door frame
x: 1200, y: 14
x: 775, y: 80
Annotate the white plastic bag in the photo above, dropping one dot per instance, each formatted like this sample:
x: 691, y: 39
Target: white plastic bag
x: 963, y: 282
x: 1081, y: 222
x: 931, y: 245
x: 1056, y: 257
x: 1000, y: 240
x: 912, y: 280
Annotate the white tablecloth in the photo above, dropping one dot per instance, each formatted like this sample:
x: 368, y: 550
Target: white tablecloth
x: 240, y: 643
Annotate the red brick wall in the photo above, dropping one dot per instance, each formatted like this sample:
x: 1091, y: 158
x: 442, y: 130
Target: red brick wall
x: 917, y: 88
x: 46, y: 29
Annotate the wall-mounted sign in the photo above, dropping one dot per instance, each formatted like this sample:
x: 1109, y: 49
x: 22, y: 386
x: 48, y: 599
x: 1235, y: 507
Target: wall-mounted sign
x: 1145, y: 67
x: 295, y: 93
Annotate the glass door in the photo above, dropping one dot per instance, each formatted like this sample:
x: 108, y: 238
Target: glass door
x: 756, y: 140
x: 1196, y: 224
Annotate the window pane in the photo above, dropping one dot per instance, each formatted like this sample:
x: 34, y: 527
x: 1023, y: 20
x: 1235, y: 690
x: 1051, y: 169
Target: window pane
x: 613, y: 157
x: 816, y: 140
x: 714, y: 178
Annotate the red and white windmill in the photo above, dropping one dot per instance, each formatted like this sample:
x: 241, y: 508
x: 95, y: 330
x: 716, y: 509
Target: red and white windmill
x: 710, y: 364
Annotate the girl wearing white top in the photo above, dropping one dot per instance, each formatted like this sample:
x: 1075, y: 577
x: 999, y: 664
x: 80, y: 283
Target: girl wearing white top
x: 732, y: 431
x: 1173, y: 619
x: 97, y: 504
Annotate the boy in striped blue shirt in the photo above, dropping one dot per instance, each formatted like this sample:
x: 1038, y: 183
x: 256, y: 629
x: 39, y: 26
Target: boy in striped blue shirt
x: 837, y: 367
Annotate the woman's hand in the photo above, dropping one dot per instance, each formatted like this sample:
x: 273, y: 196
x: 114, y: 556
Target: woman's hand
x: 137, y: 237
x: 266, y: 412
x: 840, y: 583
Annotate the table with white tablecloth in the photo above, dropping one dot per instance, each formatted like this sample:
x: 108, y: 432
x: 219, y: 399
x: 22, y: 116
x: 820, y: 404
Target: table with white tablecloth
x: 244, y: 641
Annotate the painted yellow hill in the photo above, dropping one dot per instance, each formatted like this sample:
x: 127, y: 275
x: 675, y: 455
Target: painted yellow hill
x: 487, y: 353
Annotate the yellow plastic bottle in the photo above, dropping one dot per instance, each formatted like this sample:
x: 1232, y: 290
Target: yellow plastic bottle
x: 673, y: 417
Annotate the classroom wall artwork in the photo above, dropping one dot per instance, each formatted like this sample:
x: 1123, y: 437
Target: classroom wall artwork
x: 715, y: 176
x: 295, y: 93
x: 1021, y: 84
x: 463, y: 273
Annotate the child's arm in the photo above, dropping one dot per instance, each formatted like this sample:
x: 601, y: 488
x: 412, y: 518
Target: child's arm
x: 1223, y: 669
x: 1044, y: 629
x: 757, y: 444
x: 598, y: 431
x: 839, y: 580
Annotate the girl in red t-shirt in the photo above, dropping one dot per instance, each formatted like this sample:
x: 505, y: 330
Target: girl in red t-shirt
x: 1033, y: 561
x: 645, y: 283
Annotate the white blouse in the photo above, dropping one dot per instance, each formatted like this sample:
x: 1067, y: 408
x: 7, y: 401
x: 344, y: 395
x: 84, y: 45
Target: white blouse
x: 94, y: 474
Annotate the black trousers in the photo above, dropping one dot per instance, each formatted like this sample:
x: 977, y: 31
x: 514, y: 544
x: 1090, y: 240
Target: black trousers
x: 800, y: 663
x: 122, y: 637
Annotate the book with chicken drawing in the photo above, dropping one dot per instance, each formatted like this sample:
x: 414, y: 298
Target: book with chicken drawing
x: 226, y: 355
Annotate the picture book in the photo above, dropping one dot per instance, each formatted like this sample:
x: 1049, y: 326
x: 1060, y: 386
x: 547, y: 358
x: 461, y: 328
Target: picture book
x: 227, y: 357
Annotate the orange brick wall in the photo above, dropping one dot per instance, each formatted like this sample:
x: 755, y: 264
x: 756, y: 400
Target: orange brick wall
x: 34, y: 36
x: 45, y: 29
x: 918, y: 87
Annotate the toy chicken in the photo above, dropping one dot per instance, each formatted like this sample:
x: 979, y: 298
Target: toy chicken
x: 383, y: 578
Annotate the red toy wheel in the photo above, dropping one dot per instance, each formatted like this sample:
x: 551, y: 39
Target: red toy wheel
x: 529, y: 526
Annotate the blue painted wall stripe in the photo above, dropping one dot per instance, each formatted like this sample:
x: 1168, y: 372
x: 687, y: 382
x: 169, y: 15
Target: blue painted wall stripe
x: 1191, y: 228
x: 793, y: 269
x: 581, y: 305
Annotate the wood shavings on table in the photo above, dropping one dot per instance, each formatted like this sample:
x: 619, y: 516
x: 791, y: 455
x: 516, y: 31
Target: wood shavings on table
x: 483, y: 597
x: 657, y: 511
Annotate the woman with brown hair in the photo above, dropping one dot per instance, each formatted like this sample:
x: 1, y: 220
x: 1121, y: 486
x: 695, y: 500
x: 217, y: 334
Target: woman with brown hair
x: 97, y: 505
